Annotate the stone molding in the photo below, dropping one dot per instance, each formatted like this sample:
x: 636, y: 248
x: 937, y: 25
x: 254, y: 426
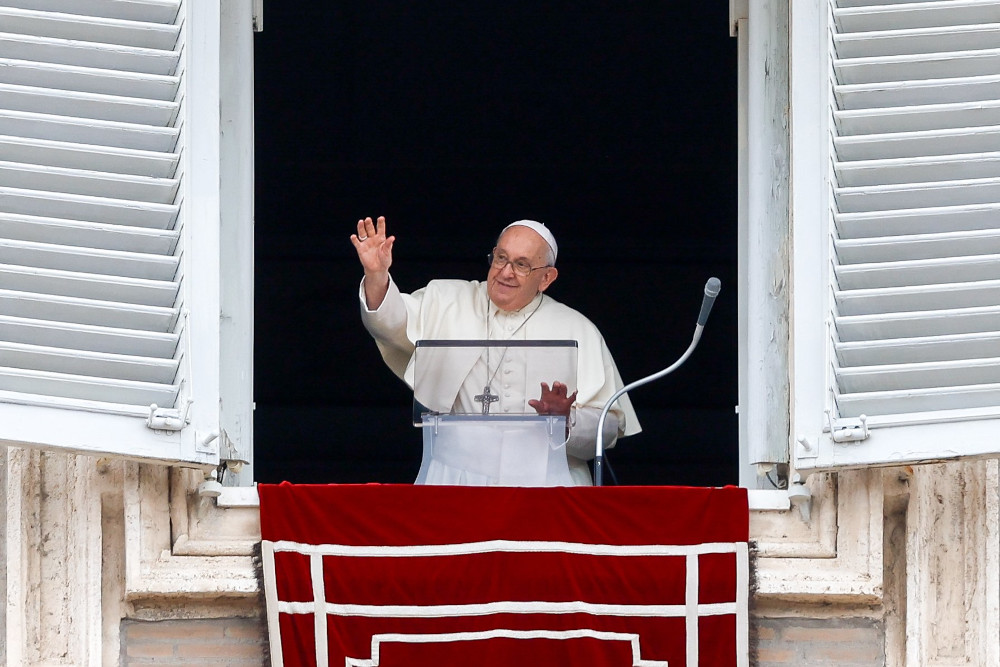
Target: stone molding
x: 836, y: 556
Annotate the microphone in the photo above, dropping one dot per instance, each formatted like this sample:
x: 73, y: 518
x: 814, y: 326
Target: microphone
x: 712, y: 288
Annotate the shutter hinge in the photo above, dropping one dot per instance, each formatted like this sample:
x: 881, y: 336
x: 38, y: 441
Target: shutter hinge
x: 167, y: 419
x: 848, y: 429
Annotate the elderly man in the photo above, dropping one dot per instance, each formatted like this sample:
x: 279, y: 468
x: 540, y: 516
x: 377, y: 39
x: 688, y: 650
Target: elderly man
x: 510, y: 305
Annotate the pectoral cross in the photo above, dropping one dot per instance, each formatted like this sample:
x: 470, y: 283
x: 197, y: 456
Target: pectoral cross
x: 486, y: 398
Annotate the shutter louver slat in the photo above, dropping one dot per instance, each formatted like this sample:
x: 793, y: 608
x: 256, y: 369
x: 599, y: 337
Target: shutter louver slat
x: 915, y: 41
x: 89, y: 286
x: 918, y: 272
x: 88, y: 338
x: 914, y: 92
x: 87, y: 54
x: 864, y: 224
x: 889, y: 325
x: 920, y: 143
x: 914, y: 350
x: 87, y: 234
x: 87, y: 105
x: 70, y: 258
x: 104, y: 390
x: 912, y: 298
x: 918, y: 246
x: 941, y: 400
x: 917, y: 66
x: 95, y: 364
x: 87, y: 80
x: 108, y: 160
x: 918, y: 375
x: 75, y: 310
x: 953, y: 117
x: 90, y: 203
x: 880, y: 16
x: 160, y: 11
x: 85, y: 182
x: 917, y: 195
x: 84, y: 28
x: 895, y: 171
x: 96, y: 132
x: 88, y: 208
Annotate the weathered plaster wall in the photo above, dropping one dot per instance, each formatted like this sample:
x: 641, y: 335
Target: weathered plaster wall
x: 88, y: 542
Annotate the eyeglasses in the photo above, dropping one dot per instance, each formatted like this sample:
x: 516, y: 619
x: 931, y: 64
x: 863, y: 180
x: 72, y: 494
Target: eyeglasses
x: 521, y: 267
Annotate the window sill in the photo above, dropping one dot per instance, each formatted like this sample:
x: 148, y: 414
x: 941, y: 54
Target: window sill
x: 238, y: 496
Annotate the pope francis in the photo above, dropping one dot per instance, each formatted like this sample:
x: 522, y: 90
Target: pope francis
x: 510, y: 305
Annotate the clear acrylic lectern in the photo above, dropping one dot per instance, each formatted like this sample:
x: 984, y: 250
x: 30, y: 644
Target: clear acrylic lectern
x: 470, y: 398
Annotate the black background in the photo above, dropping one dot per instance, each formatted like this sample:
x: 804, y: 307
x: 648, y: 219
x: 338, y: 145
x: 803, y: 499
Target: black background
x: 613, y: 123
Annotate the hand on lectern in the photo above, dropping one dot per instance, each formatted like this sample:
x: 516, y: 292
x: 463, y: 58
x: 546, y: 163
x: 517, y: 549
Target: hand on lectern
x: 553, y: 401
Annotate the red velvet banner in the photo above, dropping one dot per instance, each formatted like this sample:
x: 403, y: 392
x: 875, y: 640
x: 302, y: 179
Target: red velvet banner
x: 435, y: 575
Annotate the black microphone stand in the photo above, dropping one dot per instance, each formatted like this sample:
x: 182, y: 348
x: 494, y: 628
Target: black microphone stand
x: 712, y: 288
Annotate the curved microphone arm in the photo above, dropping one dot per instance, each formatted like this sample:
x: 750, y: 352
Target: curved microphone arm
x: 711, y: 291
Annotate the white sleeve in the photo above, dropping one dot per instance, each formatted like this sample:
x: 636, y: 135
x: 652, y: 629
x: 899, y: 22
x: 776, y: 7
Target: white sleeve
x: 582, y: 441
x: 387, y: 325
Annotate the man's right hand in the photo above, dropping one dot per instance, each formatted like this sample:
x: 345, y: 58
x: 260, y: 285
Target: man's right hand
x: 375, y: 253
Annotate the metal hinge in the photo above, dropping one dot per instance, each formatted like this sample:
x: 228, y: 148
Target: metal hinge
x: 848, y: 429
x: 167, y: 419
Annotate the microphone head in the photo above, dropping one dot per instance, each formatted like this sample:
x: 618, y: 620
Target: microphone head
x: 712, y: 287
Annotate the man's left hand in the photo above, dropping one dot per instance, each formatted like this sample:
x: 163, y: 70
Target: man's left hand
x: 553, y: 401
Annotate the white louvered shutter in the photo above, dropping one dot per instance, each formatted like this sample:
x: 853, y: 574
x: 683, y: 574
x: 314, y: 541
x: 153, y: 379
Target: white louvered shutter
x: 107, y: 236
x: 901, y: 180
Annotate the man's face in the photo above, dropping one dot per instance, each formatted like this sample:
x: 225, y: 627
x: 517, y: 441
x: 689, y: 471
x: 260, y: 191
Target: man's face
x: 507, y: 289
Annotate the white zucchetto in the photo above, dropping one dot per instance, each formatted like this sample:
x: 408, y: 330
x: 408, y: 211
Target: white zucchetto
x: 541, y: 230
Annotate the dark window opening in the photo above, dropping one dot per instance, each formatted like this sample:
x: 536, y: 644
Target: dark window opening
x: 613, y: 124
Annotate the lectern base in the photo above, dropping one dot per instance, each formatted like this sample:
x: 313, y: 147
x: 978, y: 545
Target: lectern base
x: 501, y: 450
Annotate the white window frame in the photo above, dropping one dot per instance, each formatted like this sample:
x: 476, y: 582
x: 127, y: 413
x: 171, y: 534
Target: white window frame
x: 763, y: 416
x: 237, y: 237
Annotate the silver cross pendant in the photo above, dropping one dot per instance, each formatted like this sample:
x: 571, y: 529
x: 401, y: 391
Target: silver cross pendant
x: 486, y: 398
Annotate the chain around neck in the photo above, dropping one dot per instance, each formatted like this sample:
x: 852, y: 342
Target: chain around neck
x: 489, y: 381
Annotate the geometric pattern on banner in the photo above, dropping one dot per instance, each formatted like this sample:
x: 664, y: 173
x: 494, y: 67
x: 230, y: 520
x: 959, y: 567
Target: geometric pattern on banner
x: 394, y: 575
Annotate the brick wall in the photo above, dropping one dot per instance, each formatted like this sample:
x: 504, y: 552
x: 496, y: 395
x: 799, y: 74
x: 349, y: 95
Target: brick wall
x: 833, y: 642
x: 216, y: 642
x: 239, y: 642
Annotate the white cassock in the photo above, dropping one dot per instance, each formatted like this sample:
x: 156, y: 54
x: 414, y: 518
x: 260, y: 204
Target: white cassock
x: 462, y: 310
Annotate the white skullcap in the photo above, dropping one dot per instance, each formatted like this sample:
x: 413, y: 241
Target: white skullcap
x: 541, y: 230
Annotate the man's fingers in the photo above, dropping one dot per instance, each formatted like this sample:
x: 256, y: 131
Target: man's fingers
x: 559, y: 389
x: 541, y: 407
x: 380, y: 229
x: 369, y: 227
